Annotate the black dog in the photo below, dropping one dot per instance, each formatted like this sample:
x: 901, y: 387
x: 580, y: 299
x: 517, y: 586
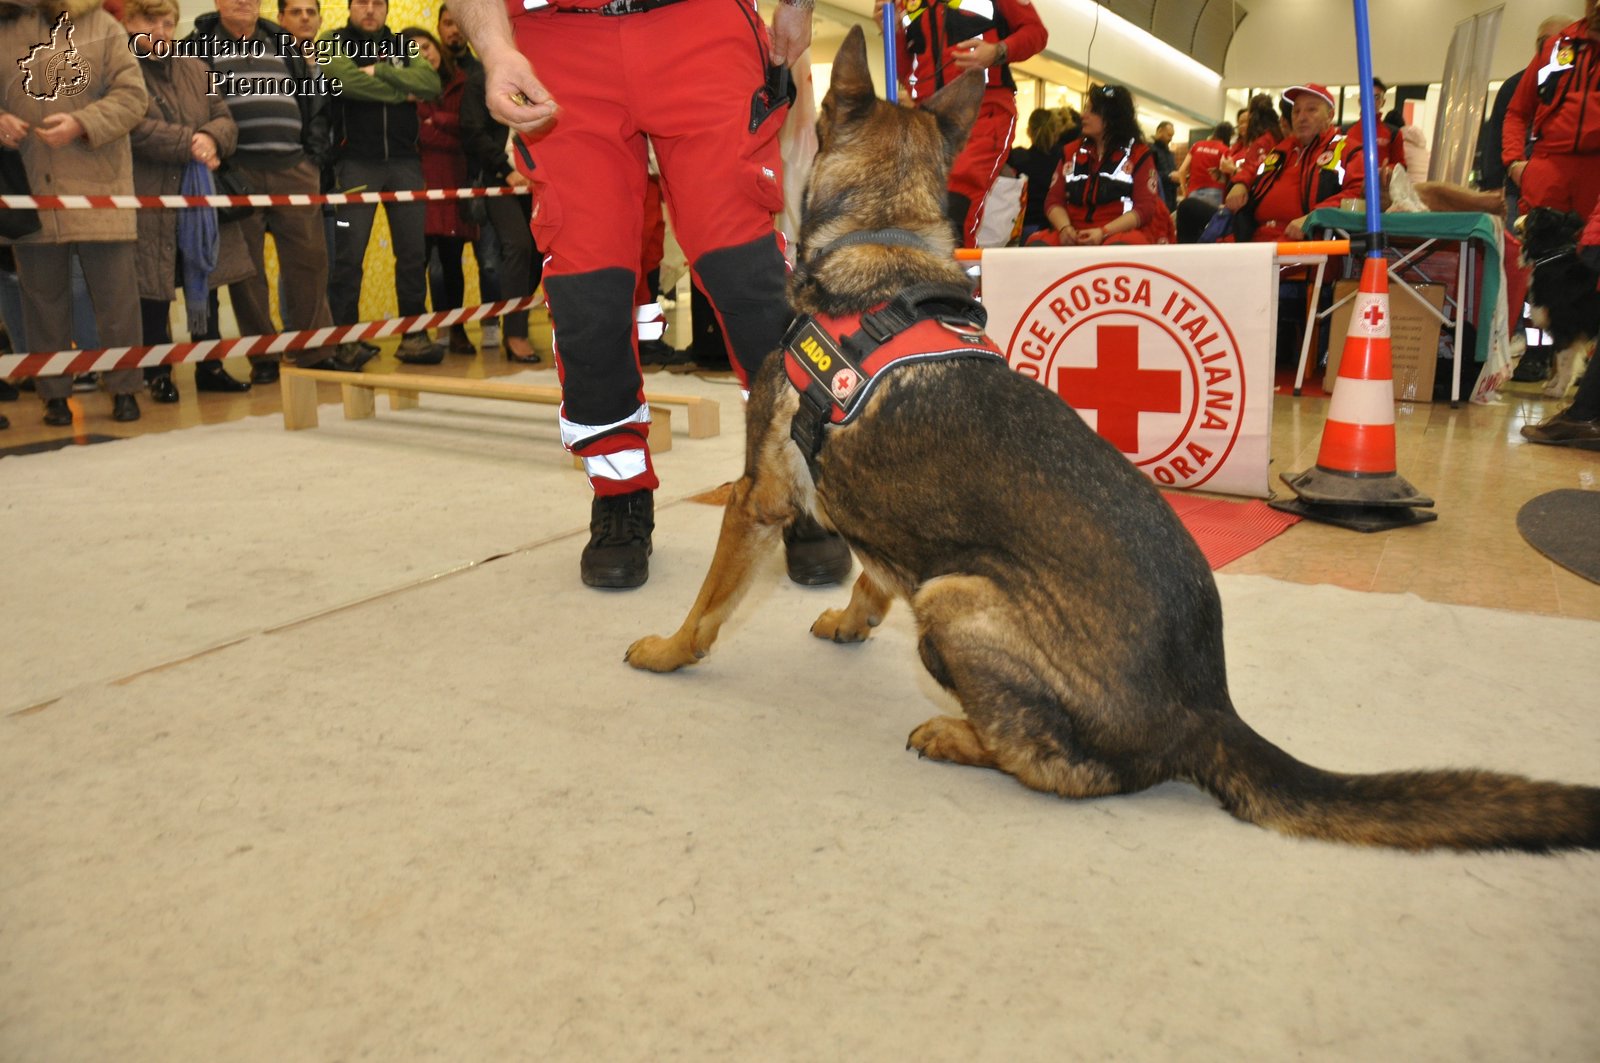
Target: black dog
x: 1562, y: 291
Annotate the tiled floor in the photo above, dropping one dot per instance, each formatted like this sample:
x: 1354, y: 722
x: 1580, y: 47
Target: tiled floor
x: 1471, y: 460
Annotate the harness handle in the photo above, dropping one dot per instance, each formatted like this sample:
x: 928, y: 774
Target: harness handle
x: 937, y: 300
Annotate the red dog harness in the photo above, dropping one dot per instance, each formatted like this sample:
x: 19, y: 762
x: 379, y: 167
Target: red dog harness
x: 836, y: 363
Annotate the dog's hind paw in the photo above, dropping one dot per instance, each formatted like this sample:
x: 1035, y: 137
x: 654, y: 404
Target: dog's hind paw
x: 837, y: 625
x: 656, y: 654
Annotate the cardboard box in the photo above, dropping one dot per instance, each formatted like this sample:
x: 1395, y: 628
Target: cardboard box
x: 1413, y: 338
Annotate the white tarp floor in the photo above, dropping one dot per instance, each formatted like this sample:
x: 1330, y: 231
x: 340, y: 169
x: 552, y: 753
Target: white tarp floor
x: 413, y: 805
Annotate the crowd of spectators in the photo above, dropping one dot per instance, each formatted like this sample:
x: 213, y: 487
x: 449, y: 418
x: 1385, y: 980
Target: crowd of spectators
x: 382, y: 111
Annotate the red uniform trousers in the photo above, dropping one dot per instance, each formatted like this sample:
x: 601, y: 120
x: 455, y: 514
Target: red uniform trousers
x: 981, y: 160
x: 1561, y: 181
x: 683, y: 76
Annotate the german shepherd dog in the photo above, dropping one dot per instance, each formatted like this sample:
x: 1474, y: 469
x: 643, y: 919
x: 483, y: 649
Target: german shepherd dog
x: 1056, y: 593
x: 1561, y: 291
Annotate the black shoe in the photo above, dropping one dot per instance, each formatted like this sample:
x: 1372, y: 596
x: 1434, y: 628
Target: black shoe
x: 124, y: 408
x: 460, y: 342
x: 57, y: 412
x: 210, y: 376
x: 1535, y: 366
x: 162, y: 389
x: 815, y: 557
x: 8, y: 391
x: 346, y: 358
x: 618, y: 553
x: 5, y: 422
x: 263, y: 372
x: 655, y: 354
x: 418, y: 349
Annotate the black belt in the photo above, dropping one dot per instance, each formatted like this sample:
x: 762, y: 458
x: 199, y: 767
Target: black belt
x: 621, y: 7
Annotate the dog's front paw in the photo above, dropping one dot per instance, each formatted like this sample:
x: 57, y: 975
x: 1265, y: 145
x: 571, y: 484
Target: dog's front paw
x: 838, y: 626
x: 1556, y: 388
x: 656, y: 654
x: 949, y: 738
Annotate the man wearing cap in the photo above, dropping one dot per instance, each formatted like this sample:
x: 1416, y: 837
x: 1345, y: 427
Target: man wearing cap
x: 1391, y: 145
x: 1314, y: 166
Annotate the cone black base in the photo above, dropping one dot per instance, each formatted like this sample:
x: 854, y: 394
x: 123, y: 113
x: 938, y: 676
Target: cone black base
x: 1355, y: 517
x: 1320, y: 486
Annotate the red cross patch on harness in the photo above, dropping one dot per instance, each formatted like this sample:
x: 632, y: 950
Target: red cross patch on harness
x: 819, y: 362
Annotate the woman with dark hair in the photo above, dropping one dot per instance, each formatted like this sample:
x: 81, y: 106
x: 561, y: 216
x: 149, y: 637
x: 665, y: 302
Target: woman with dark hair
x: 1106, y: 190
x: 1261, y: 133
x: 445, y: 226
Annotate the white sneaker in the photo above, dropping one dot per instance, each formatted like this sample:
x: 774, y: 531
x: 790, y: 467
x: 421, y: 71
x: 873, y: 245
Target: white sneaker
x: 491, y: 334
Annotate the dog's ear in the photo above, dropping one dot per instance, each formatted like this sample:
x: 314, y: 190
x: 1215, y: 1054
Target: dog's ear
x: 850, y: 93
x: 956, y: 107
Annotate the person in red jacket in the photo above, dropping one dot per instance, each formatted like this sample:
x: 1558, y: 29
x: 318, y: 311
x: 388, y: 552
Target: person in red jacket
x: 1200, y: 173
x: 1312, y: 167
x: 939, y: 40
x: 1391, y: 145
x: 446, y: 231
x: 1558, y: 103
x: 589, y: 86
x: 1107, y: 189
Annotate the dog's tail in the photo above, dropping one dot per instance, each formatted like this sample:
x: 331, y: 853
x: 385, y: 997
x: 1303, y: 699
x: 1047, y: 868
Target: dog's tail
x: 1260, y: 783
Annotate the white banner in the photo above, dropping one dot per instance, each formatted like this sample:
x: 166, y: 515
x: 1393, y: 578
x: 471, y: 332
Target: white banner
x: 1166, y: 351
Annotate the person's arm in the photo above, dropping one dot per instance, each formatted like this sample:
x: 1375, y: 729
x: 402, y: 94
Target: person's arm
x: 356, y: 84
x: 417, y: 81
x: 1055, y: 206
x: 513, y: 92
x: 119, y: 109
x: 1519, y: 117
x: 1028, y: 35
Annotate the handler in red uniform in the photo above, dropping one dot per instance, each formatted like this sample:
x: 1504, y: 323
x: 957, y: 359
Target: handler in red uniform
x: 586, y: 83
x: 938, y: 42
x: 1312, y: 167
x: 1558, y: 101
x: 1107, y: 190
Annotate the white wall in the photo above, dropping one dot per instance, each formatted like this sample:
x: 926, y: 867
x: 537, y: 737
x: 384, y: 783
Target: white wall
x: 1285, y: 42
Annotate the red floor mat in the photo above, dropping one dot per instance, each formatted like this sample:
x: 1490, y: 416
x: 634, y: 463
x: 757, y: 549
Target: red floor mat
x: 1226, y: 531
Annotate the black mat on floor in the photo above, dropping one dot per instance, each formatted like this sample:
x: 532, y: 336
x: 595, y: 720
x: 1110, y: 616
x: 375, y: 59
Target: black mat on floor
x: 1565, y: 527
x: 44, y: 445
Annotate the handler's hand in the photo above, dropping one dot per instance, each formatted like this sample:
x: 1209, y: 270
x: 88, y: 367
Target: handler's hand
x: 516, y: 96
x: 976, y: 54
x: 1296, y: 230
x: 791, y: 34
x: 877, y: 12
x: 59, y: 130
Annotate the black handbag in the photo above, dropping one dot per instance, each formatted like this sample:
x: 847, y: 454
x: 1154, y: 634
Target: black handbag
x: 229, y: 181
x: 20, y: 221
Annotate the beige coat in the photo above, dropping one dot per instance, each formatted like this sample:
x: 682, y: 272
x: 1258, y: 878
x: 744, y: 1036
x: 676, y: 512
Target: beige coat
x: 179, y: 108
x: 99, y: 83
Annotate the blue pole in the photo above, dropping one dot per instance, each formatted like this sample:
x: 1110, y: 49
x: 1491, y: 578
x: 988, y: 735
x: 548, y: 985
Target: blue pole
x: 891, y: 90
x: 1369, y: 134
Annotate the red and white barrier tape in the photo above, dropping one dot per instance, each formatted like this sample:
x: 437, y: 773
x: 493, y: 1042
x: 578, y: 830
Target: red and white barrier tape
x: 53, y: 363
x: 260, y: 199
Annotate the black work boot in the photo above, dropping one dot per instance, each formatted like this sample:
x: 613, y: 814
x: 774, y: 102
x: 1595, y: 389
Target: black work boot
x: 815, y: 557
x: 618, y: 554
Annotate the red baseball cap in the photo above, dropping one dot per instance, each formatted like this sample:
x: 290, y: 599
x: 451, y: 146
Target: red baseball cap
x: 1319, y: 91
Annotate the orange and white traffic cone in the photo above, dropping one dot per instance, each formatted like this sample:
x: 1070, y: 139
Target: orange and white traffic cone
x: 1354, y: 483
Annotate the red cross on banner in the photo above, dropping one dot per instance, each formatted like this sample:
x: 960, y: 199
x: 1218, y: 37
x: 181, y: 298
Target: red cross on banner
x: 1118, y: 390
